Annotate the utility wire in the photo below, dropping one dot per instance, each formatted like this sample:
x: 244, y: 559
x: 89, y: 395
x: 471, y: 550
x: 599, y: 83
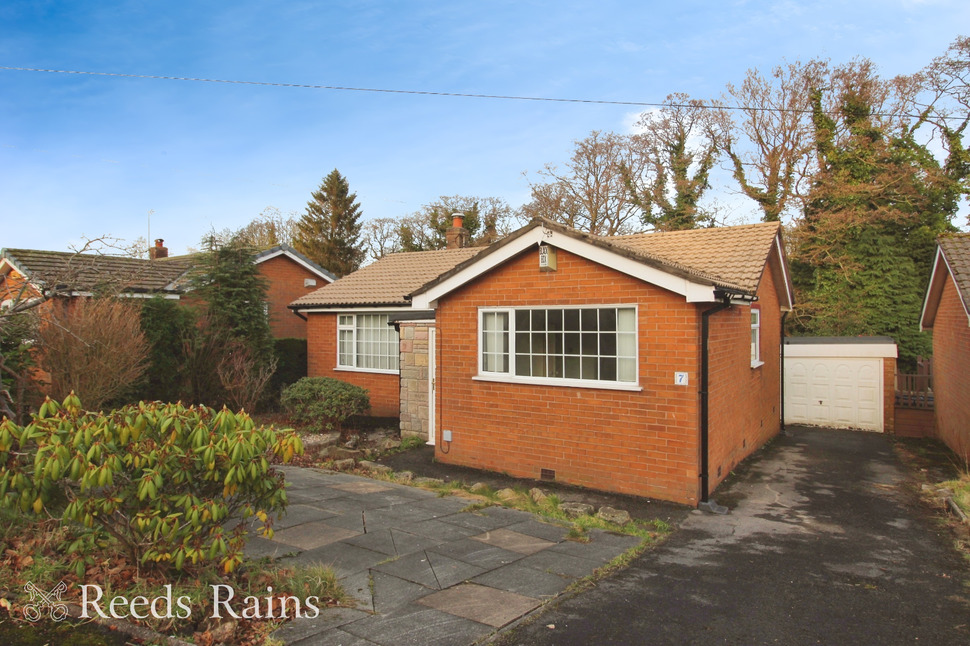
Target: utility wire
x: 505, y: 97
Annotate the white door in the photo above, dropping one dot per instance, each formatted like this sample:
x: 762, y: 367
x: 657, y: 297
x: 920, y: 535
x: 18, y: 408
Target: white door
x: 432, y: 368
x: 836, y: 392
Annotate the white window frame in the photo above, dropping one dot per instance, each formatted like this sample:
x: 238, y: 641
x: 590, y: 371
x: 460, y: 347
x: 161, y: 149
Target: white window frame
x: 511, y: 377
x: 756, y: 337
x: 354, y: 340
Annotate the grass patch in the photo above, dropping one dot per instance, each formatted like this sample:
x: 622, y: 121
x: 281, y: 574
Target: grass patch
x: 549, y: 509
x: 961, y: 491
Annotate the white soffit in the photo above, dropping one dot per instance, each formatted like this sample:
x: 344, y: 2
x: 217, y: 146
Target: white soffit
x: 694, y: 292
x: 841, y: 350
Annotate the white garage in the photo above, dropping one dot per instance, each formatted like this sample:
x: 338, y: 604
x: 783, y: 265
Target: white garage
x: 837, y: 381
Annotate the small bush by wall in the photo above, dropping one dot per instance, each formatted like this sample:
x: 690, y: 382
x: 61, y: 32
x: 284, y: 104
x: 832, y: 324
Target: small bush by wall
x: 324, y: 403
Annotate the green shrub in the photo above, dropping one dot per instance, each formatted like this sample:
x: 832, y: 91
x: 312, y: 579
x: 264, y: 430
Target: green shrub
x: 324, y: 403
x: 171, y: 486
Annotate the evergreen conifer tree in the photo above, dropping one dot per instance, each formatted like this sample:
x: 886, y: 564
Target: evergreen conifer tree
x: 329, y: 231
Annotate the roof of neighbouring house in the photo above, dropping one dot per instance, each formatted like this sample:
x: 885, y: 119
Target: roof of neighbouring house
x: 953, y: 259
x: 386, y: 282
x: 956, y: 248
x: 88, y: 272
x: 293, y: 254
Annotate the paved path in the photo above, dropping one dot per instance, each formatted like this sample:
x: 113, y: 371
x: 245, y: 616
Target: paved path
x: 824, y: 545
x: 423, y: 571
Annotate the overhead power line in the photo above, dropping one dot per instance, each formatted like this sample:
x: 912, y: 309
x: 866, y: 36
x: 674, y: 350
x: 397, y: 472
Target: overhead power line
x: 504, y: 97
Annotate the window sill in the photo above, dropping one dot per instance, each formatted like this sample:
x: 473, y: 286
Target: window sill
x: 375, y: 371
x: 558, y: 383
x: 757, y: 364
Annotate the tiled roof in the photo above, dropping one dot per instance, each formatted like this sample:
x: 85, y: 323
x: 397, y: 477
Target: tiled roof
x: 86, y: 272
x: 956, y: 250
x: 731, y: 255
x: 287, y: 249
x: 387, y: 281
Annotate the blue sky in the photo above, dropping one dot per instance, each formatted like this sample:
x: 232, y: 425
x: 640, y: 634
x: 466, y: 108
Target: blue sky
x: 92, y: 155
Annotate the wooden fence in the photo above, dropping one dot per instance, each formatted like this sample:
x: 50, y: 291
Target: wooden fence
x: 916, y: 390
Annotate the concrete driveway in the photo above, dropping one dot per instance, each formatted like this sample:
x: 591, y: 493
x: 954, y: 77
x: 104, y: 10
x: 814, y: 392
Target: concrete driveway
x: 825, y: 544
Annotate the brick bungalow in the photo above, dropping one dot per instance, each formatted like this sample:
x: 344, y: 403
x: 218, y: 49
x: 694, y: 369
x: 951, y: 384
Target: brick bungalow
x: 289, y: 274
x: 553, y: 354
x: 946, y: 311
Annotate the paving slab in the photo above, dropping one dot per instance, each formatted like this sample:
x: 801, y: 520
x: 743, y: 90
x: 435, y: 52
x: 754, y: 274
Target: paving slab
x: 559, y: 563
x: 417, y: 625
x: 343, y: 558
x: 299, y: 513
x: 391, y: 593
x: 405, y: 512
x: 539, y: 529
x: 299, y: 629
x: 480, y: 603
x: 477, y: 553
x: 258, y: 547
x: 335, y: 637
x: 439, y: 528
x: 602, y: 547
x: 486, y: 519
x: 393, y: 542
x: 312, y: 535
x: 513, y: 541
x: 435, y: 571
x: 524, y: 580
x: 350, y: 503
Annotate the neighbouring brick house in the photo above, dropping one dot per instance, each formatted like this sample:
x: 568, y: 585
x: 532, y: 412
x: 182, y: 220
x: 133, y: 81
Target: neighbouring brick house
x: 288, y: 273
x: 554, y: 354
x: 946, y: 311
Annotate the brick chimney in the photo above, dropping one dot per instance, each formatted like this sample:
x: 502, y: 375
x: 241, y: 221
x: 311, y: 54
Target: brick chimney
x: 159, y: 250
x: 457, y: 235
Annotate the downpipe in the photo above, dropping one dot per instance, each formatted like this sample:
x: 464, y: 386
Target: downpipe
x: 706, y: 504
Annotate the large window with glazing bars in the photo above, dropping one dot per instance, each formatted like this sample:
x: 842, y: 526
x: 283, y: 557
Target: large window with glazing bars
x: 583, y: 345
x: 366, y: 342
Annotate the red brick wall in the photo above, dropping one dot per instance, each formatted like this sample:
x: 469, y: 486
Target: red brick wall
x: 744, y: 402
x: 384, y: 389
x: 951, y: 357
x: 642, y: 443
x: 889, y: 394
x: 286, y: 278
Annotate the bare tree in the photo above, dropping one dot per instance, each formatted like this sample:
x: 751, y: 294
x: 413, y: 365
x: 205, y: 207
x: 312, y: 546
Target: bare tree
x: 243, y: 375
x: 94, y: 347
x: 680, y: 143
x: 770, y: 150
x: 268, y: 229
x: 590, y: 192
x: 381, y: 237
x: 486, y: 218
x: 21, y: 297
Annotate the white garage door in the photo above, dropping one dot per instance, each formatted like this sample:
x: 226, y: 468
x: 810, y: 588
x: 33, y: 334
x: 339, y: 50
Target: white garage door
x: 837, y: 392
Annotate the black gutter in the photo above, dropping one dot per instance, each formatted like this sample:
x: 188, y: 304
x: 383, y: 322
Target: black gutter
x: 706, y: 503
